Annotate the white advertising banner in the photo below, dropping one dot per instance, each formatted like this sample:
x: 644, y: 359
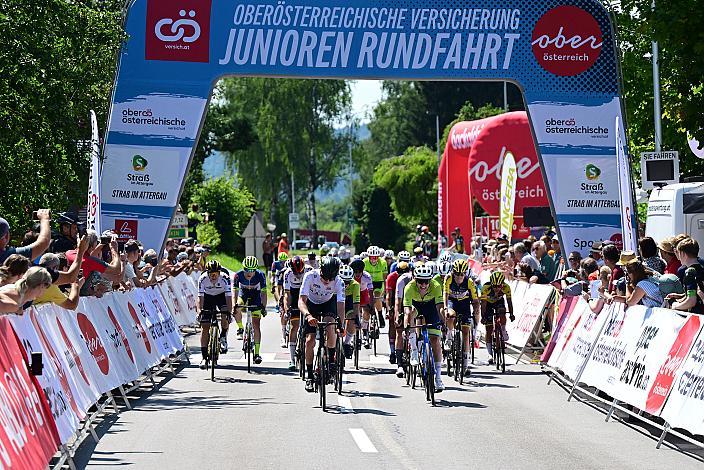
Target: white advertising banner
x: 571, y: 311
x: 646, y: 353
x: 135, y: 328
x: 167, y: 319
x: 528, y: 303
x: 180, y: 295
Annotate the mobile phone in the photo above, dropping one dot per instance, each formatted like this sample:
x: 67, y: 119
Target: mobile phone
x: 105, y: 240
x: 35, y: 216
x: 37, y: 365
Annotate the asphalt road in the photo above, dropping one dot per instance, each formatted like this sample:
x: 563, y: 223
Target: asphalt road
x: 266, y: 420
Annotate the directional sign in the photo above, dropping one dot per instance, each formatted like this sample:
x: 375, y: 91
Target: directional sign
x: 293, y: 221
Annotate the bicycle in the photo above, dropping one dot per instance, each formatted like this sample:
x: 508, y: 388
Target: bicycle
x: 499, y: 346
x: 248, y: 337
x: 301, y: 347
x: 426, y: 365
x: 459, y: 350
x: 213, y: 340
x: 373, y: 328
x: 321, y: 365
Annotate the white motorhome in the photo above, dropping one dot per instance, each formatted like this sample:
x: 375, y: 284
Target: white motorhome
x: 675, y: 209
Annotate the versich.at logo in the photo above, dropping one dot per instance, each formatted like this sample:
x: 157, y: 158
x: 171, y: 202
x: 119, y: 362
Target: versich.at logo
x: 178, y: 30
x: 567, y: 41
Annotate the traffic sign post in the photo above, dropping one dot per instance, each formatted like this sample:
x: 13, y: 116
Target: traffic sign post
x: 293, y: 221
x: 179, y: 226
x: 659, y: 168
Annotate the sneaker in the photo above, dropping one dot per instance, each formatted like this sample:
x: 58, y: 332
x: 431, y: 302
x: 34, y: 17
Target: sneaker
x: 223, y: 345
x: 203, y: 364
x: 257, y: 359
x: 309, y: 385
x: 240, y: 333
x: 349, y: 350
x: 439, y: 386
x: 284, y: 343
x: 414, y: 358
x: 367, y: 344
x: 291, y: 366
x: 382, y: 322
x: 399, y: 372
x: 490, y: 361
x: 392, y: 358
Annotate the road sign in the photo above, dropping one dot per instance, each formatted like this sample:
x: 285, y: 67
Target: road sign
x: 179, y: 226
x: 293, y: 221
x: 659, y: 168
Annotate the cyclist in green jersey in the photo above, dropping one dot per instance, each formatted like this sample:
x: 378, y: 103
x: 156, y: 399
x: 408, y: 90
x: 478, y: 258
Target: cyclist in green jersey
x: 352, y: 297
x: 376, y: 266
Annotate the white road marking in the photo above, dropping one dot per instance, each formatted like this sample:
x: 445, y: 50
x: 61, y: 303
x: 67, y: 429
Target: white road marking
x: 362, y: 440
x: 377, y: 359
x: 345, y: 404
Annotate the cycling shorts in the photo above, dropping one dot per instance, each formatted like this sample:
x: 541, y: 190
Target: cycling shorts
x: 349, y: 307
x: 378, y: 288
x: 463, y: 308
x: 255, y: 313
x: 320, y: 311
x: 209, y: 316
x: 364, y: 297
x: 493, y: 310
x: 433, y: 327
x: 428, y: 312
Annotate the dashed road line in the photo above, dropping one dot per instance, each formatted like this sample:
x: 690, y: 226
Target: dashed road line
x: 362, y: 440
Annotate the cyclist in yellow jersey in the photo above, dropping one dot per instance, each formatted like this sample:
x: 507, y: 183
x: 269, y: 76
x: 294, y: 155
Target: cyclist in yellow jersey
x: 492, y: 298
x: 376, y: 266
x: 422, y: 299
x: 460, y: 300
x: 352, y: 298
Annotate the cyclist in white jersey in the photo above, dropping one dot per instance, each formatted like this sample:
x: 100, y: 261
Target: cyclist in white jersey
x: 214, y: 295
x: 293, y: 279
x: 322, y: 297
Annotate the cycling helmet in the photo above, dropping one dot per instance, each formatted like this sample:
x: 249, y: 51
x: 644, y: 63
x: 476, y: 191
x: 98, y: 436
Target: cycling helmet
x: 402, y: 267
x: 404, y: 256
x: 324, y: 250
x: 433, y: 266
x: 345, y: 254
x: 283, y: 256
x: 297, y: 265
x: 312, y: 255
x: 356, y: 257
x: 389, y: 254
x: 424, y: 273
x: 418, y: 250
x: 346, y: 273
x: 444, y: 267
x: 375, y: 251
x: 497, y: 278
x: 333, y: 252
x: 460, y: 266
x: 364, y: 254
x: 445, y: 256
x: 329, y: 268
x: 213, y: 266
x: 357, y: 265
x: 250, y: 263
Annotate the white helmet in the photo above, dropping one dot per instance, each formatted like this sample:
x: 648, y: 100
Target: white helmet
x: 375, y: 251
x: 444, y: 267
x: 423, y: 272
x: 364, y: 254
x: 404, y: 256
x: 389, y: 254
x: 356, y: 257
x: 445, y: 256
x: 433, y: 266
x: 345, y: 253
x: 346, y: 273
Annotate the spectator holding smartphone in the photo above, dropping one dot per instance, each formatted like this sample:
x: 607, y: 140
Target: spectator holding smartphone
x: 95, y: 267
x: 33, y: 250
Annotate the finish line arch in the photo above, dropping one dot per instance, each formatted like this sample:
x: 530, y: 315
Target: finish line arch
x: 562, y: 54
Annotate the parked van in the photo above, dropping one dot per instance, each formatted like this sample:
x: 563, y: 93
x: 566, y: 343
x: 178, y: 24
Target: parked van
x: 675, y: 209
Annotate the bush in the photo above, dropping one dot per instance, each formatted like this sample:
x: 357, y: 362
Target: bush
x: 230, y: 206
x: 207, y: 234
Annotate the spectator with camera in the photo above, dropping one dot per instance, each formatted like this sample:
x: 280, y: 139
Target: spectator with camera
x: 94, y: 267
x: 33, y: 250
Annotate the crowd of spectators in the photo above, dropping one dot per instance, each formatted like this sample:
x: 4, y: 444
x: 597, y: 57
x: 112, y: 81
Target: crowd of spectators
x: 665, y: 274
x: 62, y: 264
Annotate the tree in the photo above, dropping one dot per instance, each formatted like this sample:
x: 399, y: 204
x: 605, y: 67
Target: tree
x: 372, y: 209
x: 411, y: 181
x: 230, y: 206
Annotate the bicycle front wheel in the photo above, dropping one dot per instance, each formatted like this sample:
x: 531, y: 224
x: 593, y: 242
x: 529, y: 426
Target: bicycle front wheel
x: 214, y: 349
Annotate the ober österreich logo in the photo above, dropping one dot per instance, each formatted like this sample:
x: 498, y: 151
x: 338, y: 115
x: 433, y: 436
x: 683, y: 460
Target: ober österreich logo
x: 178, y: 30
x: 567, y: 41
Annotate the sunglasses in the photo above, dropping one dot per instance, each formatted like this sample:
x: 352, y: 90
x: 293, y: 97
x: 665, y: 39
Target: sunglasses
x: 422, y: 282
x: 247, y: 270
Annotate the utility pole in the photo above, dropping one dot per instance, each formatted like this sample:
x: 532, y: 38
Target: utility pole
x: 293, y: 207
x: 505, y: 97
x: 437, y: 135
x: 656, y: 95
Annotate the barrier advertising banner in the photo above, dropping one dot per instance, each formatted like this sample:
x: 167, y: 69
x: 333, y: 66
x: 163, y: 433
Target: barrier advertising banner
x: 562, y: 55
x: 27, y: 435
x: 528, y: 303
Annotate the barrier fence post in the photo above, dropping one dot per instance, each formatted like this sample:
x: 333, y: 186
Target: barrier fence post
x: 663, y: 435
x: 124, y: 397
x: 611, y: 410
x: 111, y: 398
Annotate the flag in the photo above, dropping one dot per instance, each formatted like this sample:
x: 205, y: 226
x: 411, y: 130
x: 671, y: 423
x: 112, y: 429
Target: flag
x: 508, y: 195
x: 628, y: 214
x: 93, y: 208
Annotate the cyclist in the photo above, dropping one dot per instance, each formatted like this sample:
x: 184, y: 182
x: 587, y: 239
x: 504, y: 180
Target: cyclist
x: 404, y: 278
x: 352, y: 298
x: 312, y: 260
x: 422, y: 299
x: 366, y: 287
x: 461, y: 300
x: 322, y: 296
x: 345, y: 255
x: 214, y: 294
x: 249, y: 286
x: 376, y: 266
x: 418, y: 255
x: 293, y: 278
x: 434, y: 268
x: 277, y: 277
x: 395, y: 327
x: 492, y: 298
x: 389, y: 257
x: 402, y: 256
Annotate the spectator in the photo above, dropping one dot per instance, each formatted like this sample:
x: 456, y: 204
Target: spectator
x: 595, y: 252
x: 13, y: 268
x: 95, y: 267
x: 691, y: 274
x: 612, y: 259
x: 68, y: 233
x: 522, y: 256
x: 442, y: 241
x: 457, y: 241
x: 557, y: 257
x: 667, y: 252
x: 15, y: 297
x: 640, y: 289
x: 591, y: 269
x: 649, y: 254
x: 598, y: 288
x: 574, y: 260
x: 132, y: 274
x: 54, y: 294
x: 283, y: 244
x: 268, y: 251
x: 32, y: 251
x: 547, y: 264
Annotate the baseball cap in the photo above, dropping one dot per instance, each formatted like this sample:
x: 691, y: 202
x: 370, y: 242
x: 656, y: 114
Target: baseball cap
x: 670, y: 284
x: 4, y: 227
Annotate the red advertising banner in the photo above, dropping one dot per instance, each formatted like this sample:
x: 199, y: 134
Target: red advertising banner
x: 28, y: 437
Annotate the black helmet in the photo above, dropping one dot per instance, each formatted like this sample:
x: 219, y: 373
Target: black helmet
x: 68, y: 218
x: 329, y: 267
x: 357, y: 265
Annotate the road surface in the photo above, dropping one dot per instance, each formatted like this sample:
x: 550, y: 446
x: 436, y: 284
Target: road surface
x: 266, y: 420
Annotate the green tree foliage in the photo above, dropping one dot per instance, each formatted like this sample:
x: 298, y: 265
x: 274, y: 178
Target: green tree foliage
x: 230, y: 206
x: 373, y: 212
x: 57, y: 62
x: 411, y: 181
x: 208, y: 234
